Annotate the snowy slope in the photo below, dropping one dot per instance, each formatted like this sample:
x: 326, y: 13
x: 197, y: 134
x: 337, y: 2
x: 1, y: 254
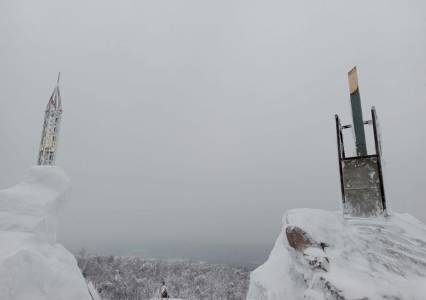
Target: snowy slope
x: 32, y: 265
x: 377, y: 258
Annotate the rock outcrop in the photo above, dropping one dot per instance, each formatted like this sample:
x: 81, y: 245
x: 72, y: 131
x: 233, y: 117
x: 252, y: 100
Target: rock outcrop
x: 320, y: 255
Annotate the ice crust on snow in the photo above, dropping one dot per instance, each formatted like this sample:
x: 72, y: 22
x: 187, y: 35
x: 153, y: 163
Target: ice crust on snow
x: 32, y: 265
x: 369, y: 258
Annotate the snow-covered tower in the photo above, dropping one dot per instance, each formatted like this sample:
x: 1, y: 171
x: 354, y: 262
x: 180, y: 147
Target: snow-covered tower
x: 51, y: 125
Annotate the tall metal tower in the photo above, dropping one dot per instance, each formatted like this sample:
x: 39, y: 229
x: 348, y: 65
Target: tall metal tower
x: 51, y: 125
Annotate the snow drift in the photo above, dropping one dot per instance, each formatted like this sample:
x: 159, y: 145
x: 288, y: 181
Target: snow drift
x: 32, y: 265
x: 341, y: 258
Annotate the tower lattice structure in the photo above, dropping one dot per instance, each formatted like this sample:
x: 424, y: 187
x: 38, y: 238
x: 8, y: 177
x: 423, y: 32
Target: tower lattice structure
x: 51, y: 126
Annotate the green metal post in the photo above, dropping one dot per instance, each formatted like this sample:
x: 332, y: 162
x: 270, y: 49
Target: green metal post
x: 361, y: 147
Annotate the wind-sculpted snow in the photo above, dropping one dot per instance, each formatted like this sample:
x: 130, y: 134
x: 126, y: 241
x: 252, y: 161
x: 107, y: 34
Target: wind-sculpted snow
x: 374, y: 258
x: 31, y: 205
x: 32, y: 265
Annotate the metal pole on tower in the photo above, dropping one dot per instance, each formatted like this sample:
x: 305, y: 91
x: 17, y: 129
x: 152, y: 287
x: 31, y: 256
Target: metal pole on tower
x: 358, y: 123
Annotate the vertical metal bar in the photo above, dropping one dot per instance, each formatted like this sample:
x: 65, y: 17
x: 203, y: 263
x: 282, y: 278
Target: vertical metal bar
x: 361, y: 147
x: 379, y: 156
x: 342, y: 142
x: 339, y: 152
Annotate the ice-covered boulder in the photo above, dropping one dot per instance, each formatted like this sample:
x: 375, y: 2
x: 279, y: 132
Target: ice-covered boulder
x: 32, y: 265
x: 320, y: 255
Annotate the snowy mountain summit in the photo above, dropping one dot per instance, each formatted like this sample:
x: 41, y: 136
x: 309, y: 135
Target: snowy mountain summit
x: 32, y: 265
x: 320, y: 255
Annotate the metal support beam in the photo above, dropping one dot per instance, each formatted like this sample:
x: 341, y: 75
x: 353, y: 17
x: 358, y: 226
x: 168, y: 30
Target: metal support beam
x: 358, y: 123
x: 379, y: 155
x: 340, y: 154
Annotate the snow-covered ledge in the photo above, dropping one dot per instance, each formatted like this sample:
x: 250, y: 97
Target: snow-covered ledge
x: 319, y: 255
x: 32, y: 265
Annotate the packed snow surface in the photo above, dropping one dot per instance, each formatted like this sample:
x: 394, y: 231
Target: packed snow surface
x: 368, y: 258
x: 32, y: 265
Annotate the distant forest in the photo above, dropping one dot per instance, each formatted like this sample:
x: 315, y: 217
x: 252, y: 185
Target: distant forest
x: 137, y: 278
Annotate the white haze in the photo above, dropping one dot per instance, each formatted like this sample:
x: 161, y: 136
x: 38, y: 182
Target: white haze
x: 200, y: 122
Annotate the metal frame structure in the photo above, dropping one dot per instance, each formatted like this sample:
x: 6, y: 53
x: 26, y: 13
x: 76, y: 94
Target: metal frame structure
x: 342, y: 155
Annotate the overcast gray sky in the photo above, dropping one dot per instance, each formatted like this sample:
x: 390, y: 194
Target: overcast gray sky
x: 203, y: 121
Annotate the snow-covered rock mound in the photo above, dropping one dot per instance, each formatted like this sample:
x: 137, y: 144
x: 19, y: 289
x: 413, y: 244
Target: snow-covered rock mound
x: 32, y: 265
x: 320, y: 255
